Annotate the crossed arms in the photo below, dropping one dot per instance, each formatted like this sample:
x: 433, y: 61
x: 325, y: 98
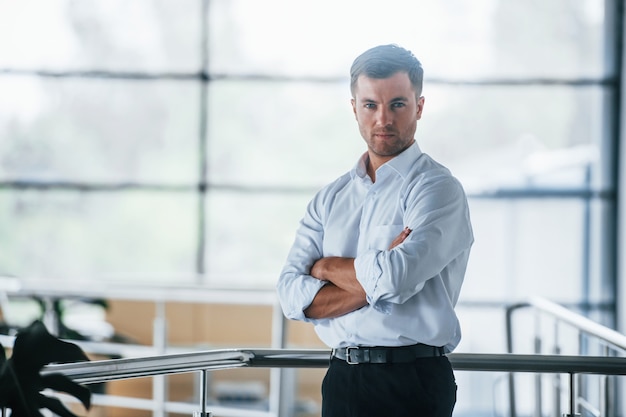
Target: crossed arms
x: 342, y: 293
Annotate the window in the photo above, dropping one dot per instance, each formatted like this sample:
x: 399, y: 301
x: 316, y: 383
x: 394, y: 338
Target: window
x: 179, y: 141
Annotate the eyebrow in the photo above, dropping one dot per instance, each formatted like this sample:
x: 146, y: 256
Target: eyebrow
x: 393, y: 100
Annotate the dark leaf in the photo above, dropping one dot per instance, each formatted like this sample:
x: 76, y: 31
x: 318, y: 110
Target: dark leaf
x: 62, y: 383
x: 35, y: 347
x: 21, y: 382
x: 54, y: 405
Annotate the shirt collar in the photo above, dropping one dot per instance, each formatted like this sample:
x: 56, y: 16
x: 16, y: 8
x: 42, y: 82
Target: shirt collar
x: 402, y: 163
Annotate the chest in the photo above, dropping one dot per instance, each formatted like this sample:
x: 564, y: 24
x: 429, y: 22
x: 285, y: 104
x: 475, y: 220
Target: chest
x: 363, y: 217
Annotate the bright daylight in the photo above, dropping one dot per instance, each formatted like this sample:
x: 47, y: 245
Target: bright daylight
x: 270, y: 208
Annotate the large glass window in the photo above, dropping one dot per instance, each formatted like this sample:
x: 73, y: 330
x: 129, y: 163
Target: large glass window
x: 115, y: 99
x: 181, y: 141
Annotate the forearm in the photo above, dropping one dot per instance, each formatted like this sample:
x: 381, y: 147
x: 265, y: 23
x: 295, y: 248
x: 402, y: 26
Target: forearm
x: 339, y: 271
x: 343, y: 293
x: 332, y: 301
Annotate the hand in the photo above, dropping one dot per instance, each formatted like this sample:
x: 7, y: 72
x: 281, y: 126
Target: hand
x: 400, y: 238
x: 317, y: 270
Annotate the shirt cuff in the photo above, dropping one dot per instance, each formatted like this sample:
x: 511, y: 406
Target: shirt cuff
x: 308, y: 291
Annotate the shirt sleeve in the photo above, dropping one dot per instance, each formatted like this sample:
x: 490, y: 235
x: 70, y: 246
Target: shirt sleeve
x: 296, y: 287
x: 438, y: 216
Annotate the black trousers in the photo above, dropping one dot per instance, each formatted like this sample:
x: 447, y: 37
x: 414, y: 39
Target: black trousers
x: 423, y: 388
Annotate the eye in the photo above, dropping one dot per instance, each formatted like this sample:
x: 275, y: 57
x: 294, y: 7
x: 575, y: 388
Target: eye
x: 369, y: 105
x: 397, y: 105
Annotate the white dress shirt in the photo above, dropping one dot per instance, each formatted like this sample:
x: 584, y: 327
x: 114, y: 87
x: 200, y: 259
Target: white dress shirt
x: 411, y: 289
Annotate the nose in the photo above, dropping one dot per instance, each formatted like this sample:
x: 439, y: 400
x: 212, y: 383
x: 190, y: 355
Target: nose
x: 384, y: 117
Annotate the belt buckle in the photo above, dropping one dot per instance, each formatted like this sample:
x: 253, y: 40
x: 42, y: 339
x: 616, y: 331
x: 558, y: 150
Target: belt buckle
x: 348, y: 349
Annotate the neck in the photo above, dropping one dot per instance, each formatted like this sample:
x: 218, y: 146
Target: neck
x: 374, y: 161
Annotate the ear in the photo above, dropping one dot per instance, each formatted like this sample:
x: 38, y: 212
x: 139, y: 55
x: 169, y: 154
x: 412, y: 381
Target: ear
x: 420, y: 107
x: 353, y: 103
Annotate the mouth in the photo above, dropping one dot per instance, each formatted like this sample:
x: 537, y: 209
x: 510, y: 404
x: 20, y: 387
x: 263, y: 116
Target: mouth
x: 384, y: 136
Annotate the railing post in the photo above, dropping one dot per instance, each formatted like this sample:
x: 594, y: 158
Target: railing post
x: 50, y: 317
x: 203, y: 396
x: 159, y: 342
x: 509, y: 345
x: 556, y: 350
x: 282, y: 381
x: 572, y: 396
x: 603, y: 394
x: 606, y: 401
x: 538, y: 376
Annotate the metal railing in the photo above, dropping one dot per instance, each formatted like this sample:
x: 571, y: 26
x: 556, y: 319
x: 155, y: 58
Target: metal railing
x: 49, y: 290
x: 612, y: 341
x: 205, y: 361
x: 159, y: 359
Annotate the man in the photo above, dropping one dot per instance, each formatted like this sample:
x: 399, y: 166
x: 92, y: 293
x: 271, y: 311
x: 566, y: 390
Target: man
x: 380, y: 255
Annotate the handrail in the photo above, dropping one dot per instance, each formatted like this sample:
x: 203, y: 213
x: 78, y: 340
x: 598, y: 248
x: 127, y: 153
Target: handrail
x: 560, y: 313
x: 51, y: 290
x: 576, y: 320
x: 189, y: 362
x: 579, y: 321
x: 113, y: 369
x: 123, y: 291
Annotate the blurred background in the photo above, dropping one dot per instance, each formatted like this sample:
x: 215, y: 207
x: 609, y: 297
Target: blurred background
x: 177, y: 143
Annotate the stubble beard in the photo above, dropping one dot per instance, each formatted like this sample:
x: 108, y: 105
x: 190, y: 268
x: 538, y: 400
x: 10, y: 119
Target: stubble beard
x: 386, y: 148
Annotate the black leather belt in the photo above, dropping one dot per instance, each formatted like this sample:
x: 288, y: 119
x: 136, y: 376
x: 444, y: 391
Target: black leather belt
x: 401, y: 354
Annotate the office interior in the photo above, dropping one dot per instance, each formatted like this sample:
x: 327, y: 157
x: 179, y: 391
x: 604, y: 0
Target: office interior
x: 157, y: 156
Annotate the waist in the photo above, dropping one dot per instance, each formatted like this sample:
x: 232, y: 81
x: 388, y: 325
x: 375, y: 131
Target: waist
x: 380, y: 354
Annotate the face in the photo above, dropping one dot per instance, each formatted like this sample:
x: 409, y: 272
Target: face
x: 387, y: 111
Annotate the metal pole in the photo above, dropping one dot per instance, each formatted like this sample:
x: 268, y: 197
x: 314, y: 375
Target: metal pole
x: 604, y: 388
x: 538, y: 343
x: 509, y: 345
x: 159, y: 341
x: 557, y: 377
x: 203, y: 396
x: 50, y: 318
x: 572, y: 395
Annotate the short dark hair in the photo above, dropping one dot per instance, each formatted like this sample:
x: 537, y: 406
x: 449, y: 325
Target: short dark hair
x: 383, y: 61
